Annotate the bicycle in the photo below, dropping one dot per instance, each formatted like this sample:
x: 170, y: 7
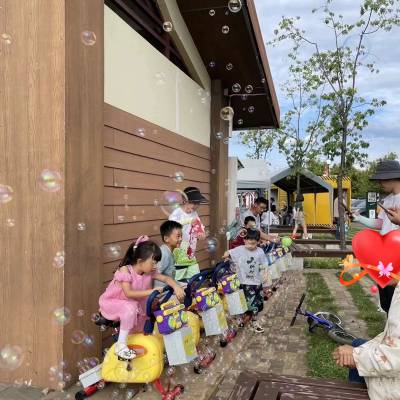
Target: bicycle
x: 329, y: 322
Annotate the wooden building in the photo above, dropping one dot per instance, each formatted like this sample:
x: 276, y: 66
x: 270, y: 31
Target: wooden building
x: 119, y: 110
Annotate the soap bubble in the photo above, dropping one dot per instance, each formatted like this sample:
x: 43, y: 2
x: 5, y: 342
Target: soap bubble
x: 211, y: 244
x: 77, y: 337
x: 225, y: 29
x: 236, y: 88
x: 251, y: 109
x: 263, y: 80
x: 226, y: 140
x: 179, y: 176
x: 227, y: 113
x: 167, y: 26
x: 171, y: 371
x: 212, y: 64
x: 113, y: 250
x: 81, y: 226
x: 88, y: 340
x: 50, y: 181
x: 6, y: 38
x: 248, y: 89
x: 240, y: 122
x: 10, y: 222
x: 234, y: 5
x: 11, y: 357
x: 59, y: 259
x: 80, y: 313
x: 212, y: 13
x: 6, y: 194
x: 229, y: 66
x: 160, y: 78
x: 121, y: 218
x: 88, y: 38
x: 141, y: 132
x: 213, y: 171
x: 62, y: 315
x: 244, y: 97
x: 171, y: 201
x: 219, y: 135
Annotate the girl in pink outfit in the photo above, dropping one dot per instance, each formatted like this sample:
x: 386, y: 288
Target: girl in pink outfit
x: 126, y: 295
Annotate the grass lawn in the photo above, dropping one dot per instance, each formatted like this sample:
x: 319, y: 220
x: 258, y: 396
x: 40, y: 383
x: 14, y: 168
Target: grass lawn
x: 322, y: 263
x: 320, y: 346
x: 367, y: 310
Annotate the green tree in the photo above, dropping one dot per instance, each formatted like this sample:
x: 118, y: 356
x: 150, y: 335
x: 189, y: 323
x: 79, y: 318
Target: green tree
x: 259, y: 142
x: 302, y: 124
x: 338, y: 67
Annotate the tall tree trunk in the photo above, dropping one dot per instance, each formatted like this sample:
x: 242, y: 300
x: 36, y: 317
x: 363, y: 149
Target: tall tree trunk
x: 342, y: 171
x: 298, y: 188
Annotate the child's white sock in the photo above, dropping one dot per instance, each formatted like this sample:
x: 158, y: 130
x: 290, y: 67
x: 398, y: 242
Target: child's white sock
x: 122, y: 337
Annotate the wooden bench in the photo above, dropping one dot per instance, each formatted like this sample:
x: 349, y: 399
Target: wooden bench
x: 258, y: 386
x: 333, y: 253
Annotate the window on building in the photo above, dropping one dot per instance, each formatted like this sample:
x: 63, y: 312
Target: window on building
x: 145, y: 18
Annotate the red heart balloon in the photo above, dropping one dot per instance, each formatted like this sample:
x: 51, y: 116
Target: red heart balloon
x: 372, y: 248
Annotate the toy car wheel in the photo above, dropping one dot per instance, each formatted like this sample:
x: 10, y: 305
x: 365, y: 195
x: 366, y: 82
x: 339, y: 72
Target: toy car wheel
x: 223, y: 343
x: 80, y: 395
x: 198, y: 370
x: 181, y: 388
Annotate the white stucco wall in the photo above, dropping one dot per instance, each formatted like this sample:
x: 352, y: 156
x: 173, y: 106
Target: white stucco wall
x: 140, y: 80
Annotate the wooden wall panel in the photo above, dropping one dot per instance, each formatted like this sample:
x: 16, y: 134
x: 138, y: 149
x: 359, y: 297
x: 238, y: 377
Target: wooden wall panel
x: 139, y: 169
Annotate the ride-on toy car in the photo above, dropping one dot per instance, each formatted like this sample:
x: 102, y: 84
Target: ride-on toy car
x: 146, y: 367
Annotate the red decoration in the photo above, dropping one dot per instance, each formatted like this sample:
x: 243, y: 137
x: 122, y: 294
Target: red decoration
x: 371, y: 248
x: 373, y: 289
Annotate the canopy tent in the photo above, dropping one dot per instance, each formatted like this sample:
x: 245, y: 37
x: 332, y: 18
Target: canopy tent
x: 254, y: 176
x: 309, y: 183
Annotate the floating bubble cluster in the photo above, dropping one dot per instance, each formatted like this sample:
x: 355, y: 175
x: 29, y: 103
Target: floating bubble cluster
x: 113, y: 250
x: 11, y: 357
x: 227, y: 113
x: 62, y: 315
x: 248, y: 89
x: 171, y: 201
x: 225, y: 29
x: 167, y: 26
x: 212, y: 64
x: 240, y: 122
x: 212, y: 13
x: 235, y: 5
x: 50, y: 181
x: 81, y: 226
x: 77, y: 337
x: 251, y: 109
x: 229, y: 66
x: 6, y: 38
x: 88, y: 38
x: 211, y: 244
x: 141, y: 132
x: 59, y: 259
x: 6, y: 194
x: 236, y: 88
x: 219, y: 135
x: 179, y: 176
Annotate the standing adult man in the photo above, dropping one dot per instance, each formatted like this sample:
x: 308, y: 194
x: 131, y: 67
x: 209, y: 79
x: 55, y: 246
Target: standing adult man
x: 388, y: 176
x: 259, y: 206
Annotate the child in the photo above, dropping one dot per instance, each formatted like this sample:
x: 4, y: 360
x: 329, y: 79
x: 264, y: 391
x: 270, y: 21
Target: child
x: 249, y: 223
x: 171, y: 235
x: 192, y: 229
x: 250, y: 259
x: 299, y: 219
x: 126, y: 295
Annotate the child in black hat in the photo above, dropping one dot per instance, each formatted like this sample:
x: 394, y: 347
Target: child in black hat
x: 192, y: 229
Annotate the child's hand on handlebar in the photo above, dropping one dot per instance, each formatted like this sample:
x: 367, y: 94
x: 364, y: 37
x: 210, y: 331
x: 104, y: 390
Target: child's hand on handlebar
x: 159, y: 288
x: 179, y: 293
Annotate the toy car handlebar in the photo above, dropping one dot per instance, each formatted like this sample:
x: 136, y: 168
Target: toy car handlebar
x: 149, y: 305
x: 220, y: 270
x: 194, y: 283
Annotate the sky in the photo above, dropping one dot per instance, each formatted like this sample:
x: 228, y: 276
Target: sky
x: 383, y: 132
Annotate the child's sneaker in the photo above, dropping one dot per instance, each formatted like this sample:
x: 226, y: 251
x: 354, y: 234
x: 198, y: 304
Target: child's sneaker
x: 257, y: 327
x: 123, y: 352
